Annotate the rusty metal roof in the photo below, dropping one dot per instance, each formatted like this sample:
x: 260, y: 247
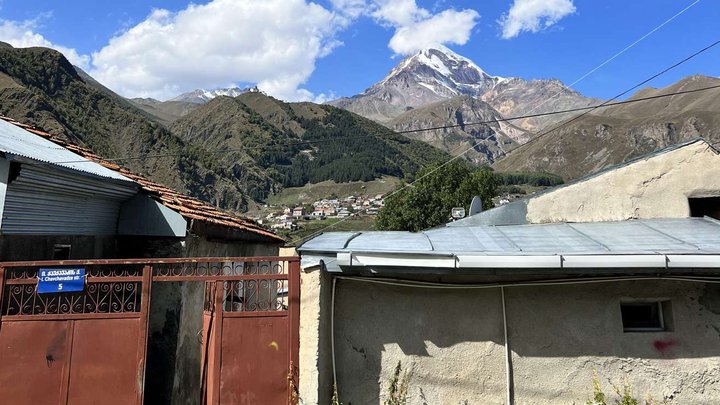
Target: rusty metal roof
x: 187, y: 206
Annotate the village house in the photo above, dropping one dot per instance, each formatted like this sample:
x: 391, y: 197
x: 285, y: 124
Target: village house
x: 298, y: 212
x: 614, y: 274
x: 59, y: 201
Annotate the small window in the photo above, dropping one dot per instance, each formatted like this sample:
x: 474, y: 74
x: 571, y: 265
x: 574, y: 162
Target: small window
x: 61, y: 252
x: 708, y: 206
x: 653, y: 316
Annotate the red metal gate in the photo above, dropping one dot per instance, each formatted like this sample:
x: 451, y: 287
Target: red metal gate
x: 90, y: 347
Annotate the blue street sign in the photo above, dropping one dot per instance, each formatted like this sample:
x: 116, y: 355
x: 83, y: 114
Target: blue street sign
x: 61, y: 279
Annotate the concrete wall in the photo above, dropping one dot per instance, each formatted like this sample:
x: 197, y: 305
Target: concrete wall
x: 652, y: 188
x: 452, y: 340
x: 315, y: 368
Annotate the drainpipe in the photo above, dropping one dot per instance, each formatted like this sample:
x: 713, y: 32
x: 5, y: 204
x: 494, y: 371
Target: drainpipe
x: 332, y: 338
x: 508, y: 355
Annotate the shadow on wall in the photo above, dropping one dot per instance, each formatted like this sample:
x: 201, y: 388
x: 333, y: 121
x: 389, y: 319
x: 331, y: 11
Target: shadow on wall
x: 445, y: 335
x: 454, y: 338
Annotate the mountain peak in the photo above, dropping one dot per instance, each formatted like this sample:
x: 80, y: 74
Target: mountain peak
x: 201, y: 96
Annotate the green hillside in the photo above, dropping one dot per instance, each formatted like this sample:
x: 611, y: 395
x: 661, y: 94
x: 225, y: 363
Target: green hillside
x: 267, y: 134
x: 252, y: 132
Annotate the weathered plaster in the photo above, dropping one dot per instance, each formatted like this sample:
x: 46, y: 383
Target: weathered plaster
x: 315, y: 368
x: 451, y: 340
x: 559, y: 335
x: 653, y: 188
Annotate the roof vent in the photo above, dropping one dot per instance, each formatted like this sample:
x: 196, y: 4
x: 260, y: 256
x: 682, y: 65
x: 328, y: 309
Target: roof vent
x: 476, y: 205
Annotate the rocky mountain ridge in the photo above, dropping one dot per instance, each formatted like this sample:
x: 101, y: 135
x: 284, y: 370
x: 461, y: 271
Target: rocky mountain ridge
x: 615, y: 134
x: 437, y: 75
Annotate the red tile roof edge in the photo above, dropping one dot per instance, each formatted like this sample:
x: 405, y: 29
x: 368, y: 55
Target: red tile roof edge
x: 186, y: 206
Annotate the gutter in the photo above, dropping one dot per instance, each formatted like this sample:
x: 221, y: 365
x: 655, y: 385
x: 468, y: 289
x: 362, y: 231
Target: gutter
x: 470, y: 261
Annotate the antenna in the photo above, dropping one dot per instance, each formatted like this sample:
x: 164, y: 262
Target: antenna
x: 476, y: 205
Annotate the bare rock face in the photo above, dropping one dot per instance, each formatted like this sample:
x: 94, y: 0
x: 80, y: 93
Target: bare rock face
x: 615, y: 134
x: 437, y: 87
x: 480, y: 143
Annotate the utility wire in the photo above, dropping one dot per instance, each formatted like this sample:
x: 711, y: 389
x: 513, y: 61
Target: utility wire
x: 409, y: 131
x: 667, y: 69
x: 596, y: 68
x: 605, y: 104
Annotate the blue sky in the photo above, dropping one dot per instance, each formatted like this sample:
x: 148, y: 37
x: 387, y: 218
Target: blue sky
x: 299, y: 50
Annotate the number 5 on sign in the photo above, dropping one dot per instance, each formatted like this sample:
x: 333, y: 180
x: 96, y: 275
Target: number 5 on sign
x: 60, y: 287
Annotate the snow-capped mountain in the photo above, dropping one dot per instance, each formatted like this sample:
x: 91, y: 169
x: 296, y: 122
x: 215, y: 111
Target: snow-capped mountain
x: 201, y: 96
x: 437, y: 87
x: 426, y: 77
x: 436, y: 74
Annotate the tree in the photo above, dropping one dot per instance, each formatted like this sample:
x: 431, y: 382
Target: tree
x: 428, y: 202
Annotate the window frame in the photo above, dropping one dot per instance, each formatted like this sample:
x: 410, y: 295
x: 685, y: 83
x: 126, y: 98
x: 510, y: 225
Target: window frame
x: 662, y: 305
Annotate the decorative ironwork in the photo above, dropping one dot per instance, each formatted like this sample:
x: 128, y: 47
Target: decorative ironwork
x: 99, y: 271
x: 219, y: 269
x: 255, y: 295
x: 21, y: 273
x: 98, y: 298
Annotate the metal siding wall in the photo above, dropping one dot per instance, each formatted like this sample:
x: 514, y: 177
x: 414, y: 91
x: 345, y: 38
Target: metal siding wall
x: 43, y: 201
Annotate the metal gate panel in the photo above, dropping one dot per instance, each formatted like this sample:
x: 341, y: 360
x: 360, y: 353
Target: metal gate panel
x: 34, y: 361
x: 254, y: 360
x: 90, y: 347
x: 104, y: 362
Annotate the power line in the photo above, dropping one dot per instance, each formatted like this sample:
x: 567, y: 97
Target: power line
x: 605, y: 104
x: 596, y: 68
x: 667, y: 69
x: 409, y: 131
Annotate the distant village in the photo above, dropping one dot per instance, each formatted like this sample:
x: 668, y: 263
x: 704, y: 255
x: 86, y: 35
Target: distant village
x: 287, y: 217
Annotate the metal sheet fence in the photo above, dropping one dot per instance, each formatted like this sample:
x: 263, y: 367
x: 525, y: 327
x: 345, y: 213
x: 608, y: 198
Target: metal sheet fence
x: 253, y: 287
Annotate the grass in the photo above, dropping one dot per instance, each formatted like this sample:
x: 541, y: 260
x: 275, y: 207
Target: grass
x: 308, y: 193
x: 355, y: 223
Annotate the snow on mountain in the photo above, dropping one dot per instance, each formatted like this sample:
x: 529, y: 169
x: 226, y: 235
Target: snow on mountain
x: 429, y: 76
x: 437, y: 74
x: 201, y: 96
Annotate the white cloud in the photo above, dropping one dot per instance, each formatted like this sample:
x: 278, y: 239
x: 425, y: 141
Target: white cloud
x: 21, y: 34
x: 450, y: 26
x: 417, y: 28
x: 351, y: 8
x: 534, y: 15
x: 274, y: 43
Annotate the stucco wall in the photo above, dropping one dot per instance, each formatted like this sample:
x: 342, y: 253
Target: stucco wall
x: 315, y: 368
x: 559, y: 335
x: 652, y: 188
x: 451, y: 340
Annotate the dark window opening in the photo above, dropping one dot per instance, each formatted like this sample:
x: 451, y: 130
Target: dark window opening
x: 646, y: 316
x: 61, y: 252
x: 707, y: 206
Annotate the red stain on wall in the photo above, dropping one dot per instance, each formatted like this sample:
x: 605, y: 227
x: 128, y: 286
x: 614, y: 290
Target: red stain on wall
x: 663, y: 345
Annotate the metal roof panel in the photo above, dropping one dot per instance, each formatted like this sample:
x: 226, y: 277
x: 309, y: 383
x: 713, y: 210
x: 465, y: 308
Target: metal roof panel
x: 17, y: 141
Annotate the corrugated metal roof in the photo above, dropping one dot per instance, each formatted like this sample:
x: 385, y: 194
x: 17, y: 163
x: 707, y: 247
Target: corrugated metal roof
x: 17, y: 141
x: 186, y: 206
x: 646, y: 236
